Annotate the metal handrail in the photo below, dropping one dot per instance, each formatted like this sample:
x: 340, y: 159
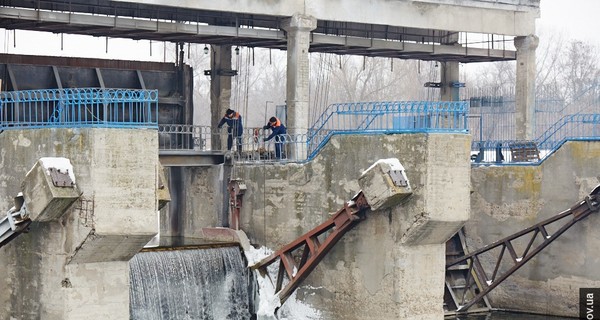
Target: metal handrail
x: 575, y: 127
x: 387, y: 117
x: 78, y: 107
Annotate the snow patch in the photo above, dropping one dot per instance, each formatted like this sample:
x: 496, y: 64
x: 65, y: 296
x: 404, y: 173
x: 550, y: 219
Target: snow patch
x: 61, y: 164
x: 394, y: 164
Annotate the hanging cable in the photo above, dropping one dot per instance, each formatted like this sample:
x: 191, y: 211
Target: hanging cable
x: 247, y: 82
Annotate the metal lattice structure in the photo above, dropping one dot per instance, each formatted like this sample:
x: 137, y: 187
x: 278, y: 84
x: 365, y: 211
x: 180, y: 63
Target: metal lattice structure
x: 511, y: 253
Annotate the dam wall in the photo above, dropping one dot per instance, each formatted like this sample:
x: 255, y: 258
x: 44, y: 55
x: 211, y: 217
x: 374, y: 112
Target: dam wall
x: 507, y: 199
x: 392, y: 264
x: 77, y: 266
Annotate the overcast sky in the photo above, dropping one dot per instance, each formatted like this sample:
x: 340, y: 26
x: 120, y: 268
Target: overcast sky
x: 576, y: 19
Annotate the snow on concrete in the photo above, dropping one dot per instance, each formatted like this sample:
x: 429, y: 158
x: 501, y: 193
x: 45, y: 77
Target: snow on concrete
x: 61, y: 164
x: 392, y: 162
x: 269, y: 304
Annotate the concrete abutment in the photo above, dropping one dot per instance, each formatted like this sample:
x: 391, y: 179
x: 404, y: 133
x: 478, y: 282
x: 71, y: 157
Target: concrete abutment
x: 76, y: 267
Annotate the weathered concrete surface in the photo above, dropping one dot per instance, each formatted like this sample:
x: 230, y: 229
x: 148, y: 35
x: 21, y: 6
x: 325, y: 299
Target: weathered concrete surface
x: 379, y: 270
x: 116, y: 171
x: 385, y: 184
x: 45, y: 201
x: 298, y: 29
x: 508, y: 199
x: 197, y: 200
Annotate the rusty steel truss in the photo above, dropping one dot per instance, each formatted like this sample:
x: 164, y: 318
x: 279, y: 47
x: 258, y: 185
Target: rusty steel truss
x: 479, y: 282
x: 300, y: 257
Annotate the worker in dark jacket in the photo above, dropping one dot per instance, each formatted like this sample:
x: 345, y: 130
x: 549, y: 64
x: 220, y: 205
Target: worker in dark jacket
x: 234, y: 130
x: 278, y: 132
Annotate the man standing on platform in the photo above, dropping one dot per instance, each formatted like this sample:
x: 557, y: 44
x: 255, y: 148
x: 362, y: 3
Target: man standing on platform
x: 278, y: 132
x: 234, y: 130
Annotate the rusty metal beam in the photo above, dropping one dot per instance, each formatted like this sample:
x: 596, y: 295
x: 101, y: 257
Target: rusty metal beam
x: 577, y: 212
x: 236, y: 188
x: 300, y: 257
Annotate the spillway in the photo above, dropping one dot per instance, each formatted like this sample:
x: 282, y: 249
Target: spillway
x: 211, y: 283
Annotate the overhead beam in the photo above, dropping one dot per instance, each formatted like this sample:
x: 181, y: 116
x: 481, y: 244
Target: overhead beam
x: 196, y: 33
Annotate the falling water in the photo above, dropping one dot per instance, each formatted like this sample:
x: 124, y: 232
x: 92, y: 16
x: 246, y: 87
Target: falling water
x: 191, y: 284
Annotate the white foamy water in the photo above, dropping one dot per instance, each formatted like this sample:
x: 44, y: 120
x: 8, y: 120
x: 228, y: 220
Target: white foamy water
x: 269, y: 307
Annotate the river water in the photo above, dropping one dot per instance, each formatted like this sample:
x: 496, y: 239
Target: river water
x: 216, y: 284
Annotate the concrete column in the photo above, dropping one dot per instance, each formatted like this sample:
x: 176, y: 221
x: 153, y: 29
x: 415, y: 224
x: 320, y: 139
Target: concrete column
x: 525, y: 87
x: 220, y: 90
x: 450, y: 71
x: 449, y: 74
x: 298, y: 29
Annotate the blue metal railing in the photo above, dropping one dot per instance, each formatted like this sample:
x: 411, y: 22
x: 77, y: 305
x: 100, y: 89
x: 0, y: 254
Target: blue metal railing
x: 78, y: 107
x: 574, y: 127
x: 387, y: 117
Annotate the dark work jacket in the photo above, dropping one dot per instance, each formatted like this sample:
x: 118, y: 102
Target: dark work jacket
x: 234, y: 124
x: 278, y: 129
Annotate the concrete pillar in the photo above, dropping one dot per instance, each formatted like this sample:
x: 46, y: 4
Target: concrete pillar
x: 76, y: 266
x: 449, y: 74
x: 525, y: 87
x: 298, y: 29
x: 220, y: 90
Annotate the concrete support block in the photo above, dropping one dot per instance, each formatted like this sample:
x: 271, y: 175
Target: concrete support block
x: 124, y: 215
x: 385, y: 184
x: 444, y: 195
x: 49, y: 189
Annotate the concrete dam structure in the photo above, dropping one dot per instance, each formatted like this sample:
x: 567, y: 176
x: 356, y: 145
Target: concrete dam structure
x: 141, y: 225
x: 78, y: 254
x: 390, y: 266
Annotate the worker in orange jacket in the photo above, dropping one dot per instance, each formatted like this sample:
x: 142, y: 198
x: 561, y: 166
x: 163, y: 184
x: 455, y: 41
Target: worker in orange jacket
x: 278, y: 132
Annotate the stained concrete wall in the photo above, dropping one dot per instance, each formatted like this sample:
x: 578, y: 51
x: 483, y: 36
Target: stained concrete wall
x: 198, y: 196
x: 508, y: 199
x: 382, y: 269
x: 77, y: 267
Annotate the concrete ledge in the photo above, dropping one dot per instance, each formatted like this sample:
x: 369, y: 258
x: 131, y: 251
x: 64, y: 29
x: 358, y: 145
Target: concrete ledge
x: 99, y: 248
